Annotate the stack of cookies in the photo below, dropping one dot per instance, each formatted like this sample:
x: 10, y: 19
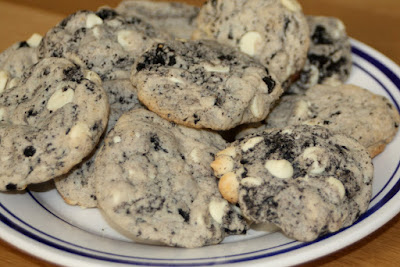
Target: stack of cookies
x: 185, y: 125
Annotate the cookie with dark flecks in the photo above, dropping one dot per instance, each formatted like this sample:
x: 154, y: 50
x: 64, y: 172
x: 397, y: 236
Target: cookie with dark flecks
x: 77, y: 186
x: 174, y: 18
x: 16, y: 59
x: 329, y: 57
x: 154, y: 181
x: 122, y: 94
x: 348, y: 109
x: 305, y: 179
x: 275, y: 32
x: 49, y: 122
x: 204, y: 84
x: 103, y: 41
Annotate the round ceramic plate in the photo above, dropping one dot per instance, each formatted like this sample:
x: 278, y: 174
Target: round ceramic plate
x: 41, y: 223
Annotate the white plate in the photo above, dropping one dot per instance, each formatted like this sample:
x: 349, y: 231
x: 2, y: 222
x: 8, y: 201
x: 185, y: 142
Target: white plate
x: 41, y: 224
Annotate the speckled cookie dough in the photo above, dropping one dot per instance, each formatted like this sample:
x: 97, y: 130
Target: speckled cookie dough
x: 154, y: 180
x: 174, y: 18
x: 122, y: 94
x: 77, y: 186
x: 204, y: 84
x: 304, y: 179
x: 348, y: 109
x: 275, y: 32
x: 16, y: 59
x: 329, y: 57
x: 49, y: 123
x: 103, y: 41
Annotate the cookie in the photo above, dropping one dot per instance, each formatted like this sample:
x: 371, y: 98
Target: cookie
x: 154, y: 181
x: 49, y: 123
x: 329, y: 57
x: 16, y: 59
x: 305, y: 179
x: 103, y: 41
x: 348, y: 109
x: 204, y: 84
x: 77, y: 186
x: 122, y: 94
x: 275, y: 32
x: 174, y: 18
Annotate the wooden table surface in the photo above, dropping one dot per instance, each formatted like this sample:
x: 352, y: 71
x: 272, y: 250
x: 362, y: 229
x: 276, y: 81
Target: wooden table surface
x: 375, y: 23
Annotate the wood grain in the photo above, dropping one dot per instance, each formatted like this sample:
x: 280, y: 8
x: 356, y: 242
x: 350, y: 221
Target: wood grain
x: 375, y: 23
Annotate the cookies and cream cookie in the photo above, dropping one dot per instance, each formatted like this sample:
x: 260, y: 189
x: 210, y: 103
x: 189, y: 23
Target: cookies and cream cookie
x: 329, y: 57
x: 305, y: 179
x: 154, y: 181
x: 77, y: 186
x: 369, y: 118
x: 49, y: 122
x: 204, y: 84
x: 103, y: 41
x: 174, y: 18
x: 16, y: 59
x: 275, y: 32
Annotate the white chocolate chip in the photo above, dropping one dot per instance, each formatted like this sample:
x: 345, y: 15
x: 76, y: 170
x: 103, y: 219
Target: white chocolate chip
x: 338, y: 185
x: 257, y: 107
x: 229, y: 151
x: 93, y: 20
x: 194, y: 155
x: 93, y: 76
x: 317, y: 156
x: 301, y: 109
x: 229, y: 187
x: 237, y: 210
x: 175, y: 80
x: 3, y: 80
x: 126, y: 38
x: 14, y: 82
x: 333, y: 81
x: 74, y: 58
x: 130, y: 40
x: 96, y: 32
x: 279, y: 168
x: 251, y: 181
x: 216, y: 68
x: 222, y: 164
x: 79, y: 133
x: 117, y: 139
x: 287, y: 131
x: 251, y: 143
x: 60, y: 98
x: 313, y: 73
x: 116, y: 196
x: 217, y: 210
x: 249, y: 42
x: 292, y: 5
x: 34, y: 40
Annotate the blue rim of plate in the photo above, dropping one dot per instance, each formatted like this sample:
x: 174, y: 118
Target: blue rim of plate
x: 51, y: 241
